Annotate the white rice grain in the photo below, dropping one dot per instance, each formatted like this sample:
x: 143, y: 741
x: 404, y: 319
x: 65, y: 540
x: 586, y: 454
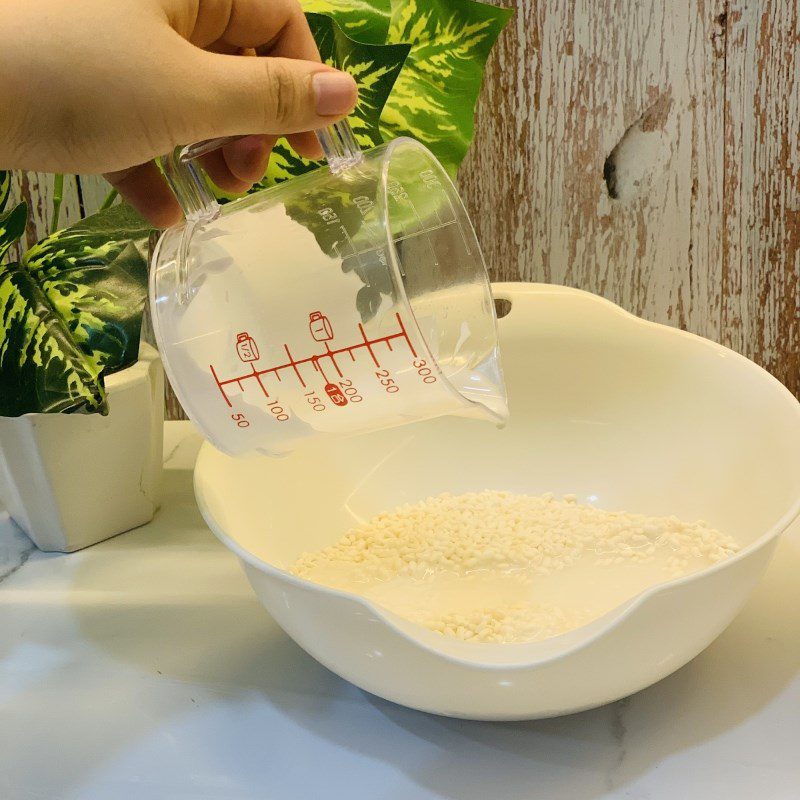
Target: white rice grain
x: 486, y: 567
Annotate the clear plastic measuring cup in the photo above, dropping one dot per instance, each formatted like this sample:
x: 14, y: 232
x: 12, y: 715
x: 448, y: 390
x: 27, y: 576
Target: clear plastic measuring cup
x: 351, y: 299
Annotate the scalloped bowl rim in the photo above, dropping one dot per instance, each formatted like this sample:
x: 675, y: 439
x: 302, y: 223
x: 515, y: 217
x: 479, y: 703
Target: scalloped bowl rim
x: 601, y: 626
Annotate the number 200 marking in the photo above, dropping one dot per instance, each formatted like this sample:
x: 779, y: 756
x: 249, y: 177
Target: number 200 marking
x: 352, y: 393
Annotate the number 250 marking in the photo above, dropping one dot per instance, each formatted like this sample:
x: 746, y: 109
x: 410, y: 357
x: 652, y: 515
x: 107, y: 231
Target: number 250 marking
x: 388, y: 383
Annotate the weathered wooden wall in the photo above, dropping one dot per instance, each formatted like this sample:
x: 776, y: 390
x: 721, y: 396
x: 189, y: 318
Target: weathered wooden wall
x: 649, y: 151
x: 646, y: 150
x: 82, y: 196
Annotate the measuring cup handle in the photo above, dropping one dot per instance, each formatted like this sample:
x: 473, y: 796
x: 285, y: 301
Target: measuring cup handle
x: 339, y: 145
x: 189, y: 187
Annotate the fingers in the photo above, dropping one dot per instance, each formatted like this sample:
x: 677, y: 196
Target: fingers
x: 233, y: 95
x: 236, y: 166
x: 295, y: 39
x: 247, y: 158
x: 145, y: 189
x: 283, y: 90
x: 306, y: 144
x: 271, y: 27
x: 253, y: 27
x: 217, y: 169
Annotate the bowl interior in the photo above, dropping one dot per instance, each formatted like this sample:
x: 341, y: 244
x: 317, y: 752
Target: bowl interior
x: 625, y: 414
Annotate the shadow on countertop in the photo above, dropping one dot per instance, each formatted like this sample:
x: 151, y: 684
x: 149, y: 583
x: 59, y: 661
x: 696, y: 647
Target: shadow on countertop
x: 142, y: 612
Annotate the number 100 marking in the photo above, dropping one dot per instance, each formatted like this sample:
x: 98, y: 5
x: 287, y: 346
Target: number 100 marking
x: 278, y: 411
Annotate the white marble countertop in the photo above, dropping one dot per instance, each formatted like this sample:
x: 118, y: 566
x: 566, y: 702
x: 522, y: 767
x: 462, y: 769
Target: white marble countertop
x: 144, y: 667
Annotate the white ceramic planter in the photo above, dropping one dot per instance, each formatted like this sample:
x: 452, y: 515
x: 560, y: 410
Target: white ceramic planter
x: 71, y: 480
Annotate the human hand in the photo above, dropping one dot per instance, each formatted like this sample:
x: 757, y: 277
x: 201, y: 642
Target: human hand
x: 99, y: 86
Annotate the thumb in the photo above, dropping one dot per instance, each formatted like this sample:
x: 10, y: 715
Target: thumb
x: 240, y: 95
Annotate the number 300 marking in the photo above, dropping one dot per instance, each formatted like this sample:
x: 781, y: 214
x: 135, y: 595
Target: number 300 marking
x: 424, y: 371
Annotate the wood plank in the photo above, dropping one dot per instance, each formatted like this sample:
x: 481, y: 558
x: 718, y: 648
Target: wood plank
x: 94, y: 190
x: 650, y: 153
x: 645, y: 151
x: 597, y: 161
x: 761, y: 265
x: 172, y: 407
x: 36, y: 189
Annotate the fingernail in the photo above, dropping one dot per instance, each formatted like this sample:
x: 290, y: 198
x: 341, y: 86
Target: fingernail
x: 335, y: 93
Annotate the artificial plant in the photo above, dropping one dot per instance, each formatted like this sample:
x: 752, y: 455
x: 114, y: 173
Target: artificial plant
x: 419, y: 67
x: 71, y: 308
x: 71, y: 311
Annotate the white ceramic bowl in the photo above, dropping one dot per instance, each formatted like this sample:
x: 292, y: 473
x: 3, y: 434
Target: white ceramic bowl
x: 624, y: 413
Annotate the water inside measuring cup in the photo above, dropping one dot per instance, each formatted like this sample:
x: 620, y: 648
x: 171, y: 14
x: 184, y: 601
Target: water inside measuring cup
x: 274, y: 344
x: 467, y: 353
x: 453, y: 311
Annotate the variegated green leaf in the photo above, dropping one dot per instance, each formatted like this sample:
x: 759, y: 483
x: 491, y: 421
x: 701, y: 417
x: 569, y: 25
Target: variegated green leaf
x: 363, y: 20
x: 348, y: 230
x: 5, y: 187
x: 335, y: 196
x: 12, y: 226
x: 41, y: 368
x: 375, y: 69
x: 94, y: 275
x: 434, y: 97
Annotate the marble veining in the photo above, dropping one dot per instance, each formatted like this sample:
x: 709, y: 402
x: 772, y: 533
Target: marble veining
x: 145, y: 667
x: 619, y: 731
x: 15, y: 547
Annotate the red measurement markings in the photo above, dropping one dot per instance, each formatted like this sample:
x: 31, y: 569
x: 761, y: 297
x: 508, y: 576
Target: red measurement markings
x: 368, y: 344
x: 336, y: 394
x: 332, y: 356
x: 405, y: 336
x: 294, y: 363
x: 258, y: 378
x: 219, y: 384
x: 318, y: 367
